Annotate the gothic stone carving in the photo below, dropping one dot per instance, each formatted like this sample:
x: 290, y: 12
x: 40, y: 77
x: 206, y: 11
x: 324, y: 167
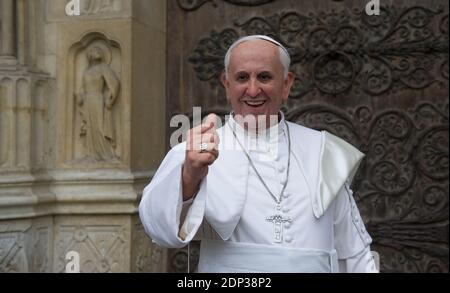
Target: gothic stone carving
x: 12, y: 253
x: 94, y: 89
x: 100, y: 88
x: 23, y: 117
x: 101, y: 247
x: 24, y: 247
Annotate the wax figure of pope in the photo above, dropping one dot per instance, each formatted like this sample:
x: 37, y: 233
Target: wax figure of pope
x: 270, y: 196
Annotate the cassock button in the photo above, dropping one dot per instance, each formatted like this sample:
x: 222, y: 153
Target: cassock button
x: 281, y: 168
x: 286, y: 210
x: 288, y: 239
x: 286, y: 195
x: 287, y: 225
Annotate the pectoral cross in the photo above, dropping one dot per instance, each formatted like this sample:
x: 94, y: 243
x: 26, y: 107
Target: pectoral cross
x: 278, y: 222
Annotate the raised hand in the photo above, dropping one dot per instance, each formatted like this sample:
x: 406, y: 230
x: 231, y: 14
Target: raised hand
x: 202, y: 146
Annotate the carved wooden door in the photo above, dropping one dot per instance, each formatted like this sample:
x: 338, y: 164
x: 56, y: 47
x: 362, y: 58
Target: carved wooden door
x: 380, y: 82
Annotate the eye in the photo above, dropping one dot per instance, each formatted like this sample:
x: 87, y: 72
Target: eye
x: 242, y: 77
x: 264, y: 77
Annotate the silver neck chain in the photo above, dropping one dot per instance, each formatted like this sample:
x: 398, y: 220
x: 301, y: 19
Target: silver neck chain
x: 277, y: 199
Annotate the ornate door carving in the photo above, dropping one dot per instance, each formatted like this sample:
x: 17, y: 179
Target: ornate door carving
x: 380, y: 82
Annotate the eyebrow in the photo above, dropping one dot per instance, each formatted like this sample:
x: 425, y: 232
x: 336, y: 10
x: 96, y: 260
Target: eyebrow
x: 246, y: 72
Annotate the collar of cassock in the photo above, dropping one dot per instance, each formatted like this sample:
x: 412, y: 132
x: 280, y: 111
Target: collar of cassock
x: 262, y: 140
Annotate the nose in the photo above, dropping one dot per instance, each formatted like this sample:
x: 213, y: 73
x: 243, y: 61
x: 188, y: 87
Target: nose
x: 253, y: 89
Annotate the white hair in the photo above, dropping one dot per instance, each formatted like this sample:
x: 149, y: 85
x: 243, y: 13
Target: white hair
x: 284, y: 54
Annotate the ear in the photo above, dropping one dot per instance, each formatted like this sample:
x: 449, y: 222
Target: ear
x: 288, y: 82
x: 223, y: 80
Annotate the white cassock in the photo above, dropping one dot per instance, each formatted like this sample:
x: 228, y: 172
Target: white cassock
x: 316, y: 228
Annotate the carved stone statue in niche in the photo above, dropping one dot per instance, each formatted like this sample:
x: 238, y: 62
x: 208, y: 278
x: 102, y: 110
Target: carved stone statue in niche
x: 100, y: 89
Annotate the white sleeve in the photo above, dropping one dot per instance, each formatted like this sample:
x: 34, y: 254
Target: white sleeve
x: 352, y: 241
x: 360, y: 263
x: 162, y: 205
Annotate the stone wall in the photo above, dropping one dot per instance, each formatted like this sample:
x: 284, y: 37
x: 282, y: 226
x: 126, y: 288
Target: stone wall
x: 81, y: 132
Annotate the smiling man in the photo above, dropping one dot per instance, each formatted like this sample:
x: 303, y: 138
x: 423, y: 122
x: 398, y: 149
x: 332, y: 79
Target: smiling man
x: 256, y: 78
x: 277, y: 198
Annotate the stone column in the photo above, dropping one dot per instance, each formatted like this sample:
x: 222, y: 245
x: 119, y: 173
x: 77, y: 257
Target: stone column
x: 8, y: 30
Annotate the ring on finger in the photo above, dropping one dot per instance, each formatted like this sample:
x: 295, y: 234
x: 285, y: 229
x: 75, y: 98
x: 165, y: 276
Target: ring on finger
x: 203, y: 147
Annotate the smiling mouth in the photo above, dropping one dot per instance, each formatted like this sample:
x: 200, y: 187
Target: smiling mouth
x: 254, y: 104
